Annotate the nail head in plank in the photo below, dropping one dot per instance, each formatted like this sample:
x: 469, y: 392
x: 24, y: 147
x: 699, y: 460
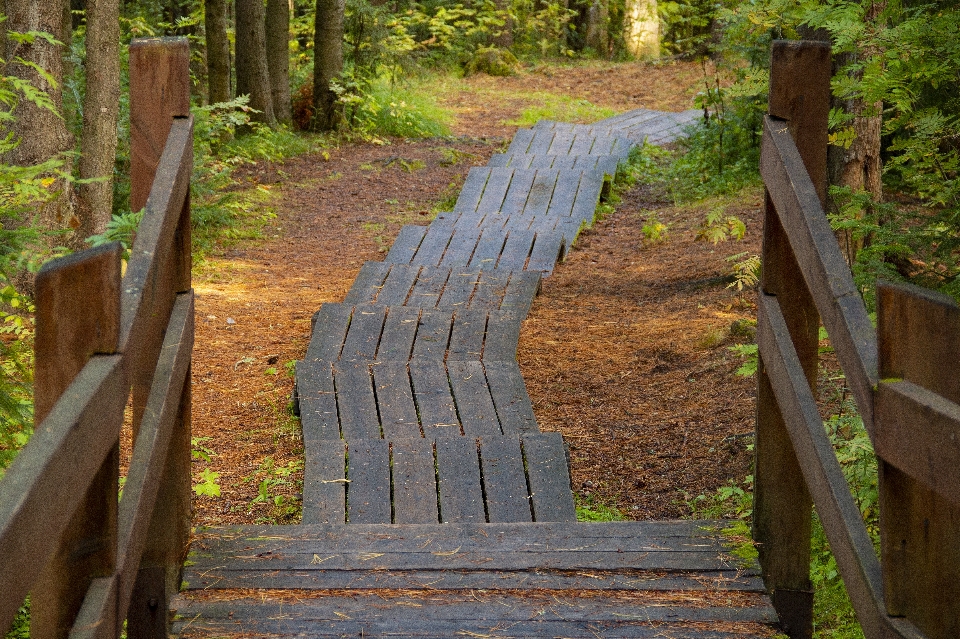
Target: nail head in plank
x: 324, y: 482
x: 414, y: 482
x: 460, y: 489
x: 398, y: 413
x: 549, y: 477
x: 509, y: 393
x: 474, y: 404
x: 431, y: 390
x: 329, y: 331
x: 318, y: 401
x: 363, y: 336
x: 355, y: 400
x: 504, y: 482
x: 406, y: 244
x: 368, y: 493
x: 466, y: 339
x: 368, y: 283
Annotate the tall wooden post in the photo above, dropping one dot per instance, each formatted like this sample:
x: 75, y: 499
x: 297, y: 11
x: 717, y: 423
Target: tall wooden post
x: 77, y: 317
x: 160, y: 92
x: 800, y: 96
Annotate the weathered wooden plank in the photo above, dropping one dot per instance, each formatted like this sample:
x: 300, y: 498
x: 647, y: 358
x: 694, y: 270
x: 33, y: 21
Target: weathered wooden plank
x: 434, y: 244
x: 519, y: 294
x: 541, y: 192
x: 562, y: 141
x: 460, y: 488
x: 431, y: 390
x: 474, y: 405
x: 563, y: 162
x: 368, y: 283
x: 516, y: 250
x: 414, y: 482
x: 547, y: 251
x: 318, y: 400
x: 406, y: 244
x: 399, y: 330
x: 504, y: 481
x: 491, y: 287
x: 329, y: 331
x: 495, y: 190
x: 503, y: 335
x: 521, y: 141
x: 516, y: 197
x: 368, y: 492
x: 488, y: 249
x: 433, y: 334
x: 397, y: 286
x: 588, y: 196
x: 355, y: 400
x: 466, y: 339
x: 472, y: 189
x: 461, y: 247
x: 429, y: 286
x: 324, y: 485
x: 398, y: 413
x: 500, y: 160
x: 549, y: 477
x: 364, y: 332
x: 541, y: 161
x: 540, y: 144
x: 565, y: 193
x: 582, y: 143
x: 459, y: 289
x: 570, y: 229
x: 509, y: 393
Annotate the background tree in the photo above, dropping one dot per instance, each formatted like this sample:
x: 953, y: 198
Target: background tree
x: 327, y: 62
x: 218, y: 51
x: 642, y: 28
x: 278, y: 57
x: 253, y: 76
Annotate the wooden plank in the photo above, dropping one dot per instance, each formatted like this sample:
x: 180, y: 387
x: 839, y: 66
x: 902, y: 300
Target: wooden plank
x: 563, y: 162
x: 396, y: 288
x: 474, y: 404
x: 466, y: 338
x: 504, y: 481
x: 588, y: 196
x: 519, y: 294
x: 399, y: 330
x: 431, y: 390
x: 509, y: 393
x: 488, y: 249
x: 363, y: 335
x: 356, y: 402
x: 406, y: 244
x: 516, y: 250
x: 541, y: 161
x: 547, y: 251
x: 548, y: 475
x: 562, y: 141
x: 570, y: 229
x: 461, y: 247
x: 516, y: 197
x: 459, y: 289
x: 414, y: 482
x: 521, y: 141
x: 472, y: 189
x: 433, y: 334
x: 317, y: 400
x: 429, y: 286
x: 582, y: 143
x: 500, y: 160
x: 460, y: 488
x: 368, y: 283
x: 324, y: 488
x: 398, y: 413
x: 540, y: 144
x: 433, y: 245
x: 491, y: 287
x: 368, y: 493
x: 565, y: 193
x: 503, y: 335
x: 329, y: 331
x: 541, y: 192
x: 495, y: 190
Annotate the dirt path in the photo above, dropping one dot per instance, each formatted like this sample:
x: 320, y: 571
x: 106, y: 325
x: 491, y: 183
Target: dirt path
x: 623, y: 351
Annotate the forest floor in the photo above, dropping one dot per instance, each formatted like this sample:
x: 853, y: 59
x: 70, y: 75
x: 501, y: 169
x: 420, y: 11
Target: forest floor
x: 624, y: 352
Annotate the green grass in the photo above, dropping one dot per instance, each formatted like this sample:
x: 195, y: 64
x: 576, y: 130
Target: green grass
x: 410, y: 110
x: 593, y: 510
x: 560, y: 108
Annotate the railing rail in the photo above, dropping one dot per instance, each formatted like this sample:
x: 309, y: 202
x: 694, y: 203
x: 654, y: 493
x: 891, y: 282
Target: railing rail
x: 905, y: 385
x: 89, y: 558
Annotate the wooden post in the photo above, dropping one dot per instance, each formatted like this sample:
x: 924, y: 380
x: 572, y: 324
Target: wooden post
x: 160, y: 92
x: 77, y: 317
x: 799, y: 95
x: 918, y: 338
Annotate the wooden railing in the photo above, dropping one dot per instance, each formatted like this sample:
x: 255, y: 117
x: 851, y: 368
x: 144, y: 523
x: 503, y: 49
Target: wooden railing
x: 904, y: 376
x: 88, y: 559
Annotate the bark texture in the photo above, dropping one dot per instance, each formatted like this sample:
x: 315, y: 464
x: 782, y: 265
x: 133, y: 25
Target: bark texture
x: 595, y: 31
x: 278, y: 58
x: 101, y: 108
x: 253, y: 76
x: 327, y: 62
x: 641, y: 28
x: 42, y: 134
x: 218, y: 51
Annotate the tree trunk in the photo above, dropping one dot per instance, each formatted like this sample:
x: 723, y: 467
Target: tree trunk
x: 641, y: 28
x: 42, y: 134
x: 327, y: 62
x: 218, y: 51
x: 595, y: 31
x: 253, y: 77
x: 278, y: 58
x: 101, y: 107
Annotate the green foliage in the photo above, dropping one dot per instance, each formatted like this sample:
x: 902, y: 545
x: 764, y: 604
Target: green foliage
x: 492, y: 61
x: 20, y: 628
x: 273, y: 481
x: 718, y: 227
x: 746, y: 272
x: 381, y: 108
x: 750, y: 355
x: 686, y: 26
x: 654, y: 231
x: 591, y: 509
x: 561, y: 108
x: 207, y: 484
x: 541, y: 27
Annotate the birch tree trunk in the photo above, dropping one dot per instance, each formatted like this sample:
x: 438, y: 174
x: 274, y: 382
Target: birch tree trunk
x: 641, y: 28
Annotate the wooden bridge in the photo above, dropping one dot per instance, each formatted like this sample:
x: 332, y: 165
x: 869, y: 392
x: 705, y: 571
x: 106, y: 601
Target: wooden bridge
x: 433, y: 505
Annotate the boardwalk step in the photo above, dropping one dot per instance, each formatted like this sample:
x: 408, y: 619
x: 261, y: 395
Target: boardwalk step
x: 526, y: 192
x: 450, y: 478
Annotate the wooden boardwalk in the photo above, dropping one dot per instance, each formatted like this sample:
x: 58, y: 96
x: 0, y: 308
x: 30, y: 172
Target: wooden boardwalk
x: 433, y: 505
